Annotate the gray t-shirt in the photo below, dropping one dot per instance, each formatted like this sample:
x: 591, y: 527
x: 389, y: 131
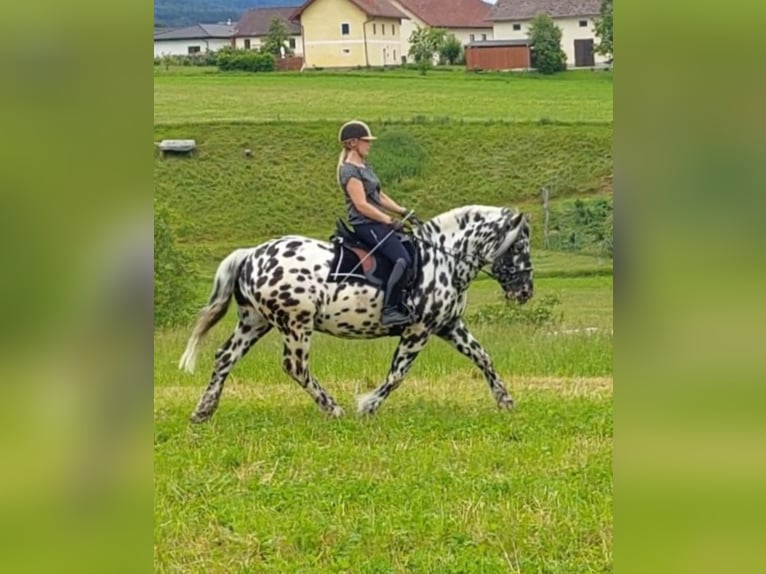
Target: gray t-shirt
x: 371, y: 185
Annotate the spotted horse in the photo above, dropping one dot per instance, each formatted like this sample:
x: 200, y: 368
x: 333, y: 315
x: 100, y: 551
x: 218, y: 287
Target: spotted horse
x: 284, y: 284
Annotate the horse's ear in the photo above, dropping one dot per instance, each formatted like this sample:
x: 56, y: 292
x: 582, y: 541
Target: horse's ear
x: 517, y: 219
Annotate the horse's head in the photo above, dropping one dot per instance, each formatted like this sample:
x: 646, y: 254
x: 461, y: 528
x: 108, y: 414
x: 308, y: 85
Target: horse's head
x: 511, y: 263
x: 480, y: 235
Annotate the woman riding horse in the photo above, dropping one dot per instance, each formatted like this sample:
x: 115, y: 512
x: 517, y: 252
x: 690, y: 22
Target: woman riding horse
x: 365, y: 203
x: 285, y: 284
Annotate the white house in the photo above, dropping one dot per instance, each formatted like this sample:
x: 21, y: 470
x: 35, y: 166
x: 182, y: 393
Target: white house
x: 192, y: 40
x: 511, y: 20
x: 468, y: 20
x: 253, y: 28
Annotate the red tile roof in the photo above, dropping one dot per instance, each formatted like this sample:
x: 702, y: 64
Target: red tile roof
x: 381, y: 8
x: 256, y: 22
x: 527, y: 9
x: 450, y: 13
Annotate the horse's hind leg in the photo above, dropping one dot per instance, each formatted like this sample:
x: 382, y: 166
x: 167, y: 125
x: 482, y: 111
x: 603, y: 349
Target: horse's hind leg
x: 250, y: 328
x: 295, y: 362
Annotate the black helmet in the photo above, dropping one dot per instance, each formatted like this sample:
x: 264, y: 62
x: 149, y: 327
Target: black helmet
x: 355, y: 130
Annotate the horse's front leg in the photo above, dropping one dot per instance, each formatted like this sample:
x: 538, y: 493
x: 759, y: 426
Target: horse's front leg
x: 459, y: 337
x: 411, y: 343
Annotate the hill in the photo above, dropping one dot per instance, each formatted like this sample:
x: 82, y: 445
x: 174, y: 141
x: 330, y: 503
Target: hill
x: 444, y: 140
x: 224, y: 199
x: 172, y: 13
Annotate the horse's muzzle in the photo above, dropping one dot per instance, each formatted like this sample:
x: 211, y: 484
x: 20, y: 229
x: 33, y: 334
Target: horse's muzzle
x: 521, y: 296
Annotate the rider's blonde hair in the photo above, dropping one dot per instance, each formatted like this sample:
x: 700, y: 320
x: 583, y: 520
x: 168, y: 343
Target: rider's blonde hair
x: 347, y: 145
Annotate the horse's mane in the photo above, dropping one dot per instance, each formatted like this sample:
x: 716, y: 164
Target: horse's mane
x: 449, y: 219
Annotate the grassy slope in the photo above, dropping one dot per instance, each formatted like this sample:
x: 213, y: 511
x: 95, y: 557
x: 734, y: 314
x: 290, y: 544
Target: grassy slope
x: 225, y: 200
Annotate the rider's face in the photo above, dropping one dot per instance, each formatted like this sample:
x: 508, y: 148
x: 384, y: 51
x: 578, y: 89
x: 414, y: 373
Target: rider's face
x: 363, y: 147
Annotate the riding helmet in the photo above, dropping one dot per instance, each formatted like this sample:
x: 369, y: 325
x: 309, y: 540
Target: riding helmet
x: 355, y: 130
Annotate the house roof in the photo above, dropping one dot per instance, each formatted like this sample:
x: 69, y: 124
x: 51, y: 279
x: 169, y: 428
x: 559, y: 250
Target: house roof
x: 381, y: 8
x: 528, y: 9
x: 450, y: 13
x: 256, y: 22
x: 196, y: 32
x: 489, y: 43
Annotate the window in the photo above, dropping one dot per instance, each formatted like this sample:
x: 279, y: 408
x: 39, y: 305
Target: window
x: 483, y: 37
x: 291, y: 43
x: 471, y: 38
x: 394, y: 56
x: 517, y: 27
x: 374, y: 28
x: 382, y: 29
x: 247, y: 44
x: 194, y: 49
x: 393, y: 29
x: 583, y: 23
x: 344, y: 29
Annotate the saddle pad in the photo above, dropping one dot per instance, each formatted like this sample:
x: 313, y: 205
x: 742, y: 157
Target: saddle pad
x: 345, y: 266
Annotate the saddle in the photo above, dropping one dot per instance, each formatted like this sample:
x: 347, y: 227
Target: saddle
x: 374, y: 269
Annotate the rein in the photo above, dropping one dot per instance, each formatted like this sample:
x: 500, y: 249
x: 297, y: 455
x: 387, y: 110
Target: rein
x: 465, y: 259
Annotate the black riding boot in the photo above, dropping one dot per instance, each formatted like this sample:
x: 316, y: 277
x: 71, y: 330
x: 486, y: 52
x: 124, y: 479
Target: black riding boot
x: 392, y: 315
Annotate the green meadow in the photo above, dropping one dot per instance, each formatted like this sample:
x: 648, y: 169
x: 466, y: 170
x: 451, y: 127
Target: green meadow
x: 439, y: 480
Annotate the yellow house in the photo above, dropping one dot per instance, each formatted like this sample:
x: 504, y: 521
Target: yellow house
x: 350, y: 33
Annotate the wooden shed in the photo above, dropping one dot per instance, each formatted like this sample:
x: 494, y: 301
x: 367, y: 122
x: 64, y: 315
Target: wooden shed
x: 498, y: 55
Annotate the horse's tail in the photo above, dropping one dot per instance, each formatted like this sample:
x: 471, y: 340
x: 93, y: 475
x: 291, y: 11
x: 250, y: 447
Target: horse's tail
x: 217, y: 305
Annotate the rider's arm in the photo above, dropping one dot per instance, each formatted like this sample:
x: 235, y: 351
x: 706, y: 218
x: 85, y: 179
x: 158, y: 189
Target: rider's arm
x: 390, y: 205
x: 355, y: 191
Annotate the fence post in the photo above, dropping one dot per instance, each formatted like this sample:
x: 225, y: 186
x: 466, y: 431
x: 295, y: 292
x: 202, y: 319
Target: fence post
x: 546, y: 243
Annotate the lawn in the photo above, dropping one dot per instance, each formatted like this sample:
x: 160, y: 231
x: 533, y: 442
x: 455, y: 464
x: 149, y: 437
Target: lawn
x: 209, y: 96
x: 439, y: 480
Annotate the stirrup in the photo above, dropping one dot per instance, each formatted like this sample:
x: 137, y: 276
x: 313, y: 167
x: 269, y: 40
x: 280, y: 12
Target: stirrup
x: 394, y: 316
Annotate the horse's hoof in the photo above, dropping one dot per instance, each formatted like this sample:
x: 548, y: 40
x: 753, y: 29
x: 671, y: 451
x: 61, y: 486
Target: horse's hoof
x: 198, y: 418
x: 505, y: 403
x: 366, y: 404
x: 336, y: 412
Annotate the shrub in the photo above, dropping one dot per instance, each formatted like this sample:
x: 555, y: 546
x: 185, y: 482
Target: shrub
x: 585, y: 225
x: 545, y: 36
x: 230, y: 59
x: 538, y: 312
x: 398, y: 155
x: 172, y: 274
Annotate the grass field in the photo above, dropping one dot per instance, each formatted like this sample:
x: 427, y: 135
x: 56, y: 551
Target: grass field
x: 580, y: 96
x: 439, y: 480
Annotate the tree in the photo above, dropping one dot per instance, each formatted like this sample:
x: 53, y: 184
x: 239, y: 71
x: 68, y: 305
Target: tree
x: 604, y: 29
x: 276, y: 39
x: 451, y: 49
x: 424, y: 43
x: 545, y: 36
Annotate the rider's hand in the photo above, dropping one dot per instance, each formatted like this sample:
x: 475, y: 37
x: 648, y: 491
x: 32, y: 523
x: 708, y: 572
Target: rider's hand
x: 410, y: 216
x: 397, y: 225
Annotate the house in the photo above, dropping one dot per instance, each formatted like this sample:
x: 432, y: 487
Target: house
x: 193, y: 39
x: 468, y: 20
x: 349, y: 33
x: 253, y: 28
x: 577, y: 19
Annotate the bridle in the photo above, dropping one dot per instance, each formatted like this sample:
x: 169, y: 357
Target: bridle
x: 465, y: 259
